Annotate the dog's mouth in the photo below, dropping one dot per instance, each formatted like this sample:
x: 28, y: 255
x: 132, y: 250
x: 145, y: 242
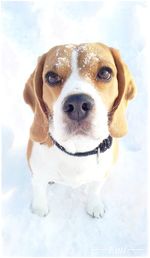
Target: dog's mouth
x: 78, y: 128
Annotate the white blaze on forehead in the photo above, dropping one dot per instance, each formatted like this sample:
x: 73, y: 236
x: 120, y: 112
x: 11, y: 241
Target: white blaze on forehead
x: 74, y: 61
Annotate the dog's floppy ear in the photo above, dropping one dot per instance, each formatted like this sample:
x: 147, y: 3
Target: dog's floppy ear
x: 126, y: 91
x: 33, y: 96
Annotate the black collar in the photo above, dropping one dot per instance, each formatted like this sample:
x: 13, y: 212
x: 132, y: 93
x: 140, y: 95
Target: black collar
x: 102, y: 147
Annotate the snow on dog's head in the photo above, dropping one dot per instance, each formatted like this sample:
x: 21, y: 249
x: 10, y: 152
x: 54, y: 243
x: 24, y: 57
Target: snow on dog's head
x: 79, y: 94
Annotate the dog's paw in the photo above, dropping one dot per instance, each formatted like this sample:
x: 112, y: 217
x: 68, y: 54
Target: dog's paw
x: 95, y: 209
x: 41, y: 211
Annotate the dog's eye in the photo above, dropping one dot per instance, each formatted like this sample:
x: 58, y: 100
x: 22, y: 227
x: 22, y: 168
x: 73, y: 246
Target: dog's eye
x: 53, y: 78
x: 104, y: 74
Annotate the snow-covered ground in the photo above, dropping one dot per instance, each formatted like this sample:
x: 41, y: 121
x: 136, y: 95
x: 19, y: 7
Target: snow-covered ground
x: 29, y: 29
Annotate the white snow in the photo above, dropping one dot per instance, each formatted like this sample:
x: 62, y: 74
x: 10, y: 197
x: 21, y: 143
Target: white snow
x: 61, y: 61
x: 29, y: 29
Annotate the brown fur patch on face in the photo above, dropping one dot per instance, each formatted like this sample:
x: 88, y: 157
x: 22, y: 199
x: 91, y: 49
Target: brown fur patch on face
x: 58, y: 60
x: 91, y: 58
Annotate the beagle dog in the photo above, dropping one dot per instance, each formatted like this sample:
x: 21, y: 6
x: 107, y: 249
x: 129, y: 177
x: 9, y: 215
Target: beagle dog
x: 79, y: 95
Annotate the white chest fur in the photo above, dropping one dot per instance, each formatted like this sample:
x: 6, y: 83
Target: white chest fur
x: 51, y: 164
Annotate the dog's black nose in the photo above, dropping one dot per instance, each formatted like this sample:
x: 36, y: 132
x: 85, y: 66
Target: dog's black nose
x: 78, y: 106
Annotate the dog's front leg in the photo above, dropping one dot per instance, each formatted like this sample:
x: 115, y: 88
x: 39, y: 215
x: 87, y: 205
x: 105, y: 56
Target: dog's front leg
x: 39, y: 204
x: 95, y: 206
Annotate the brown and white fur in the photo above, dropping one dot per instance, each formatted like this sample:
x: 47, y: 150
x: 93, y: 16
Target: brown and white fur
x: 78, y: 66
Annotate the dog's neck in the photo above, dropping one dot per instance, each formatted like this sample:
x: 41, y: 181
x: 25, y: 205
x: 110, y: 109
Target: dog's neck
x: 102, y: 147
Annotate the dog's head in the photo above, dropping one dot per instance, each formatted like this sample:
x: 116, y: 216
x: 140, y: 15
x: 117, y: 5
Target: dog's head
x: 79, y: 94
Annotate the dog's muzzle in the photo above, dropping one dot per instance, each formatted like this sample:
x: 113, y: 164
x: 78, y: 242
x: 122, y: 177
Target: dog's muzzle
x: 78, y: 106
